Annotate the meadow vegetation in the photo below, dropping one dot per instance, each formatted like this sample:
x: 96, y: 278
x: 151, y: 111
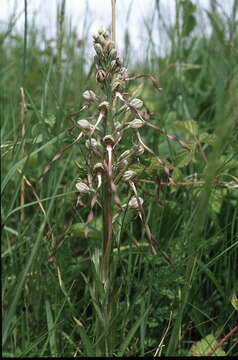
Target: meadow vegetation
x: 178, y: 301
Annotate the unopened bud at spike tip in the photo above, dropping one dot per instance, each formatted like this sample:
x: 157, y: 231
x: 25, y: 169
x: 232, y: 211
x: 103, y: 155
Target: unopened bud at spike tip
x: 101, y: 40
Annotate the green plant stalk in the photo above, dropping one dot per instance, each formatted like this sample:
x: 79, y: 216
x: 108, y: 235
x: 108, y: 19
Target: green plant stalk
x: 104, y: 348
x: 107, y: 232
x: 107, y: 203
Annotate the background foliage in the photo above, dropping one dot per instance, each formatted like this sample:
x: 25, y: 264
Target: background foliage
x: 47, y: 288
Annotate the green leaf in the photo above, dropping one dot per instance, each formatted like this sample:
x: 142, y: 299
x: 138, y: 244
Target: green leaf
x: 189, y: 20
x: 77, y: 230
x: 216, y: 198
x: 189, y: 126
x: 234, y: 302
x: 205, y: 346
x: 14, y: 168
x: 51, y: 329
x: 207, y: 138
x: 131, y: 333
x: 183, y: 158
x: 50, y: 120
x: 88, y: 346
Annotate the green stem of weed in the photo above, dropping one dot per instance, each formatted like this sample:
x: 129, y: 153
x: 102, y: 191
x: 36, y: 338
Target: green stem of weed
x: 60, y: 38
x: 25, y: 43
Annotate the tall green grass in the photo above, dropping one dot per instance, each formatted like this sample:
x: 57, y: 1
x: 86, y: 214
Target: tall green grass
x: 48, y: 265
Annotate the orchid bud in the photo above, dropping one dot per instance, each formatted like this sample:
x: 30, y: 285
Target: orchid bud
x: 123, y: 72
x: 136, y: 123
x: 82, y: 188
x: 119, y: 61
x: 89, y: 95
x: 117, y: 125
x: 95, y: 36
x: 136, y: 103
x: 117, y: 85
x: 105, y: 33
x: 122, y: 164
x: 110, y: 44
x: 138, y: 150
x: 101, y: 40
x: 113, y: 65
x: 133, y: 203
x: 102, y: 31
x: 100, y: 76
x: 84, y: 125
x: 91, y: 143
x: 113, y: 54
x: 98, y: 49
x: 128, y: 175
x: 124, y: 154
